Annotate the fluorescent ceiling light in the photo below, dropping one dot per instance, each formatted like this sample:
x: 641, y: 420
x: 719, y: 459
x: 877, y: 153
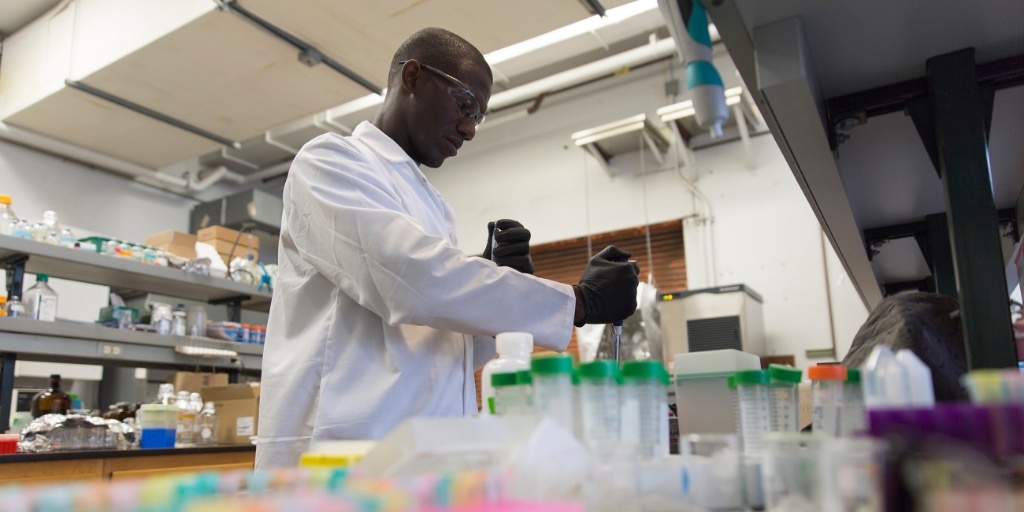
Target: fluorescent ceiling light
x: 612, y: 16
x: 685, y: 108
x: 630, y: 124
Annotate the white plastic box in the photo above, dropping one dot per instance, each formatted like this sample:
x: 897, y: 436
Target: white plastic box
x: 703, y: 400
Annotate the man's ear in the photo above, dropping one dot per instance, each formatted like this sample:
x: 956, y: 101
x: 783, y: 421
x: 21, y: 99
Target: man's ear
x: 411, y: 75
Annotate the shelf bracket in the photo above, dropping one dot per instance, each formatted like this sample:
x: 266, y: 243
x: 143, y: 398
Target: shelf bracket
x: 15, y: 267
x: 234, y: 305
x: 7, y: 360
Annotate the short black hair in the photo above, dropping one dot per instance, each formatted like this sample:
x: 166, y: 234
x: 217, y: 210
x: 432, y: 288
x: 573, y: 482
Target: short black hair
x: 436, y: 47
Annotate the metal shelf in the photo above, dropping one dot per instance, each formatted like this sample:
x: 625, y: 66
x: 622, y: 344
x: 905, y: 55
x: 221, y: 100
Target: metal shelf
x: 67, y: 342
x: 119, y: 273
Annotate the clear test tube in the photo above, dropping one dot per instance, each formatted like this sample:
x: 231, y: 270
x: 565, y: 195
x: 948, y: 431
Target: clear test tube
x: 827, y: 383
x: 853, y: 474
x: 755, y: 415
x: 731, y: 383
x: 784, y: 397
x: 552, y: 388
x: 714, y: 461
x: 506, y: 395
x: 853, y: 418
x: 645, y: 399
x: 793, y: 472
x: 755, y: 421
x: 600, y: 416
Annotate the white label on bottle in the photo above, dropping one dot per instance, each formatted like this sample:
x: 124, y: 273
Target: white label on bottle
x: 245, y: 426
x: 47, y: 308
x: 206, y: 434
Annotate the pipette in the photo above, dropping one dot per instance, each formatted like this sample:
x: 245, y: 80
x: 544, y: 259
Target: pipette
x: 617, y: 335
x: 617, y: 331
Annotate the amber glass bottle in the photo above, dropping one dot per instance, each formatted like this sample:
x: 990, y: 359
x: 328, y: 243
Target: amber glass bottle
x: 53, y: 400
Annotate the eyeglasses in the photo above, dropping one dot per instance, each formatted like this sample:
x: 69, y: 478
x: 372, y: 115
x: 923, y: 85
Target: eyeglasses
x: 464, y: 99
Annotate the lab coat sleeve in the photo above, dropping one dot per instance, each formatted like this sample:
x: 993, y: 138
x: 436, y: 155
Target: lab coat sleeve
x: 347, y: 221
x: 484, y: 349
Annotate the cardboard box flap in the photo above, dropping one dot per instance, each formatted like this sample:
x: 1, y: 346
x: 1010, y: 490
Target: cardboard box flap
x: 231, y: 392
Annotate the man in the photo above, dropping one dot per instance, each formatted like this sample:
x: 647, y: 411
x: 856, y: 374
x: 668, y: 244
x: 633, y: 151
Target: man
x: 377, y: 315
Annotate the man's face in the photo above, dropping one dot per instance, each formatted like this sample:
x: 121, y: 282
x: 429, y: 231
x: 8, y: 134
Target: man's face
x: 448, y: 105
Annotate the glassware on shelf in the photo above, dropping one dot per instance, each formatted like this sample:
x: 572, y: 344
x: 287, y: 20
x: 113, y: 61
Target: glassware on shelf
x: 8, y: 220
x: 178, y: 323
x: 52, y: 401
x: 165, y: 394
x: 207, y: 422
x: 67, y: 238
x: 41, y: 300
x: 52, y: 232
x: 14, y: 307
x: 22, y: 229
x: 186, y: 421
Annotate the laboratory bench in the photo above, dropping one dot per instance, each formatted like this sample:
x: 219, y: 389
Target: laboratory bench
x: 119, y: 464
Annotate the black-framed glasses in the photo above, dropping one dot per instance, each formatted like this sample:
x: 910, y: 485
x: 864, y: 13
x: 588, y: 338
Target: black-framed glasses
x: 464, y: 98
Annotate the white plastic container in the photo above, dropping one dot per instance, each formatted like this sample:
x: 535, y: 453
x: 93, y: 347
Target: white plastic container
x: 827, y: 383
x: 883, y: 382
x: 41, y: 300
x: 645, y: 407
x: 600, y: 414
x: 702, y: 393
x: 784, y: 397
x: 921, y: 392
x: 552, y: 388
x: 514, y: 349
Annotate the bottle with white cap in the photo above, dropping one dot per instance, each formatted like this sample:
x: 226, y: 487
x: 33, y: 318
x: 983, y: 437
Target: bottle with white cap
x: 514, y: 349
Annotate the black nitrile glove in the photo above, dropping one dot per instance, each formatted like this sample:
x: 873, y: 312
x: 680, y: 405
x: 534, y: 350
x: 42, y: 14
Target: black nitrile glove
x: 608, y: 287
x: 511, y: 245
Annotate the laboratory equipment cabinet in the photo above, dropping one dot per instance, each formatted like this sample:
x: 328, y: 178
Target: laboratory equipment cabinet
x: 725, y: 317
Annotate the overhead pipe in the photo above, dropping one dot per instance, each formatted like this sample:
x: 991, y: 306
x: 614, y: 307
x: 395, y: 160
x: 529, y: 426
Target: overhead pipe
x: 70, y: 151
x: 197, y: 183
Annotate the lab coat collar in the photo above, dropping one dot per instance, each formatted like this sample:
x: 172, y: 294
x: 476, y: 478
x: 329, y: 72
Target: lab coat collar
x: 381, y: 143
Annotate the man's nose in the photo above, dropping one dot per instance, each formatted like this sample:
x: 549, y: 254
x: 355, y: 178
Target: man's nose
x: 467, y: 127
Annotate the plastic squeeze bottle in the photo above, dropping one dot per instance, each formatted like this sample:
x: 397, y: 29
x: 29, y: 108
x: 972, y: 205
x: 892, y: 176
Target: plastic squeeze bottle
x: 514, y: 349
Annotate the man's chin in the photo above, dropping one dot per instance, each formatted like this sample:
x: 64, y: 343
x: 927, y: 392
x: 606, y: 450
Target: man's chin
x: 433, y: 163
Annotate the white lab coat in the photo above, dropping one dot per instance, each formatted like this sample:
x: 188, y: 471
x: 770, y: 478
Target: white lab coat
x: 377, y: 315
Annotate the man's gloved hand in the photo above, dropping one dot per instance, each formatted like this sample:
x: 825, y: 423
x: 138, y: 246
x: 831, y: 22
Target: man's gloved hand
x: 608, y: 287
x: 511, y: 245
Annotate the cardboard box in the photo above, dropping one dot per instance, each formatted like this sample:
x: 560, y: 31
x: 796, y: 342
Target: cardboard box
x: 170, y: 237
x: 177, y: 243
x: 195, y: 381
x: 227, y: 235
x: 237, y: 407
x: 224, y: 246
x: 182, y: 251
